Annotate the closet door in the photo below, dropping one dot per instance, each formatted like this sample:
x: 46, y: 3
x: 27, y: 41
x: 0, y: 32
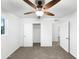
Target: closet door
x: 28, y: 37
x: 64, y: 36
x: 46, y: 34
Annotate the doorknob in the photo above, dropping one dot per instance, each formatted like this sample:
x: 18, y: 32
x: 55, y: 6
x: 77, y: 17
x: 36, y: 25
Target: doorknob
x: 67, y: 38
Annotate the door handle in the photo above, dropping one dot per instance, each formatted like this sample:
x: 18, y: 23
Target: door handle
x: 67, y: 38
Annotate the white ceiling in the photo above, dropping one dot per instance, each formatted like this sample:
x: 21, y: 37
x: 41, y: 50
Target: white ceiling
x: 19, y: 7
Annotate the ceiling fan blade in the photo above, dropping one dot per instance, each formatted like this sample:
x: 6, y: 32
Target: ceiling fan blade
x: 28, y: 13
x: 48, y: 13
x: 50, y: 4
x: 30, y: 3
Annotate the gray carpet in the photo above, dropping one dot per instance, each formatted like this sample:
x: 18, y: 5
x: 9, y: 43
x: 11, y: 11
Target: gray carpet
x: 37, y: 52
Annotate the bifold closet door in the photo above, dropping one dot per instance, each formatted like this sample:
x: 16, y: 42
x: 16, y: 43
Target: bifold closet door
x: 28, y: 35
x: 46, y: 34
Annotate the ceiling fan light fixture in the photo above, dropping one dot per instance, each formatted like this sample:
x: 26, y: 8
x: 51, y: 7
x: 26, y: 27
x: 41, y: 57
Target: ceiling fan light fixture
x: 40, y: 8
x: 39, y: 13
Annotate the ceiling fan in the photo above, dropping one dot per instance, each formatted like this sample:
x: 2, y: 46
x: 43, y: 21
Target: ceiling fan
x: 41, y: 8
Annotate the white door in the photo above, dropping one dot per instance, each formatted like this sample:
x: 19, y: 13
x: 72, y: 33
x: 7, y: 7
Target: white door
x: 64, y: 36
x: 28, y: 30
x: 46, y: 34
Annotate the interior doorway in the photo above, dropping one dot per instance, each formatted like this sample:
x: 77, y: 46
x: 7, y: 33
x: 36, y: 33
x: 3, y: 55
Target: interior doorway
x: 36, y: 34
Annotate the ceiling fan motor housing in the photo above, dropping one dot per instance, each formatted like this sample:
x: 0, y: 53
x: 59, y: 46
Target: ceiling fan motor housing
x: 39, y: 2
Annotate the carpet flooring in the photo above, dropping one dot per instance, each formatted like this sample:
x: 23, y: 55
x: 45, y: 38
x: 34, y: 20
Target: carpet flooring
x: 37, y: 52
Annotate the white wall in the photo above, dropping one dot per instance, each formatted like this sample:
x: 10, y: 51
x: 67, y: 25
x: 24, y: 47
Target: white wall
x: 73, y: 32
x: 10, y: 41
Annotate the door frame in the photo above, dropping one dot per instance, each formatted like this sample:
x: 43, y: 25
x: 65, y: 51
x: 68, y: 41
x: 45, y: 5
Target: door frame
x: 33, y: 33
x: 69, y: 36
